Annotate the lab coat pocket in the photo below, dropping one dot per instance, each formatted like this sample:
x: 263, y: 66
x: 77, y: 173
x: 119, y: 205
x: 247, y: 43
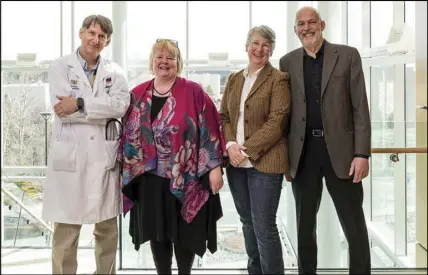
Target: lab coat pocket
x: 111, y: 153
x: 64, y: 158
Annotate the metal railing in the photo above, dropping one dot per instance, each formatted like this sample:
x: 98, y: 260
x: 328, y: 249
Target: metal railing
x: 395, y: 151
x: 18, y: 171
x: 25, y: 208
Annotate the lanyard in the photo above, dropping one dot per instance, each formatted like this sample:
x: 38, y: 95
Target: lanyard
x: 94, y: 76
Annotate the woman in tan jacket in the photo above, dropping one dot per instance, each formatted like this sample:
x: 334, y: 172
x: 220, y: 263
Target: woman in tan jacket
x: 254, y: 108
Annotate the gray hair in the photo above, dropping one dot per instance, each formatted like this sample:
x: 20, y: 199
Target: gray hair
x: 104, y: 22
x: 265, y: 32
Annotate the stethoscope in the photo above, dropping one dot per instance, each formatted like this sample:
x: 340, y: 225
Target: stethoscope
x: 114, y: 120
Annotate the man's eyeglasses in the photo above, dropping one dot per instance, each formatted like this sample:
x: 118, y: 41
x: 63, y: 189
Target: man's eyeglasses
x: 175, y: 42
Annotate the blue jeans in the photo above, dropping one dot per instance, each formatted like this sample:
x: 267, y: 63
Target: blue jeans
x: 256, y: 196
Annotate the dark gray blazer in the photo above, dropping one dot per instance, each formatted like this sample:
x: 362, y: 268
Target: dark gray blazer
x: 344, y: 107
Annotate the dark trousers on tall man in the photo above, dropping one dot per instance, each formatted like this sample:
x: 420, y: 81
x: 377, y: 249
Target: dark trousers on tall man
x: 347, y: 198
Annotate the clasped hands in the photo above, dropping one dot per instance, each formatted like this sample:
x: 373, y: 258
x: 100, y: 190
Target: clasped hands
x: 236, y: 156
x: 66, y: 106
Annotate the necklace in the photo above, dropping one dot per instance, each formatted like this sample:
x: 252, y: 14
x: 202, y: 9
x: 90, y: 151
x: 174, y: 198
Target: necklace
x: 167, y: 92
x: 161, y: 93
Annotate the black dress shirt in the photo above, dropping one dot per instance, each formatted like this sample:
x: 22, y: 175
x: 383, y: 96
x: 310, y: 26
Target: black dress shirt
x: 312, y: 72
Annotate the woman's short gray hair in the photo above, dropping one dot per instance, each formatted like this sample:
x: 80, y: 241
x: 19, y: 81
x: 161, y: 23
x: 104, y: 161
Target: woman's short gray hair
x: 265, y: 32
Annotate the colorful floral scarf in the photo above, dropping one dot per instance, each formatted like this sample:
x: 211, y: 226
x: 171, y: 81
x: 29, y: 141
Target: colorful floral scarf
x: 184, y: 142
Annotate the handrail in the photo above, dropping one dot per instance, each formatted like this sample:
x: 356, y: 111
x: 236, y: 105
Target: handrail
x: 407, y: 150
x: 377, y: 237
x: 12, y: 196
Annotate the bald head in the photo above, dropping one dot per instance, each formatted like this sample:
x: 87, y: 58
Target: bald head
x: 308, y: 11
x: 309, y: 27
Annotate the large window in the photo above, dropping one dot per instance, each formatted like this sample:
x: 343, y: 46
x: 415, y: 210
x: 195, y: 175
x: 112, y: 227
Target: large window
x: 382, y: 115
x: 410, y: 74
x: 355, y: 24
x: 218, y: 27
x: 409, y: 16
x: 148, y: 21
x: 30, y: 27
x: 82, y: 9
x: 202, y: 28
x: 381, y: 22
x: 267, y: 13
x: 25, y: 92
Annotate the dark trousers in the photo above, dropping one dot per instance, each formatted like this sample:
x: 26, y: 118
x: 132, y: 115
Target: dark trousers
x: 162, y: 256
x: 347, y: 198
x: 256, y: 196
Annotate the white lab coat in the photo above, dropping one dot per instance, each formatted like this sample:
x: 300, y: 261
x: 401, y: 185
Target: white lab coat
x: 82, y: 184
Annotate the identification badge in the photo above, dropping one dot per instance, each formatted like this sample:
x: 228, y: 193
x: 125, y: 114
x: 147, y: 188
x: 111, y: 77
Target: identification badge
x: 74, y: 84
x: 108, y: 82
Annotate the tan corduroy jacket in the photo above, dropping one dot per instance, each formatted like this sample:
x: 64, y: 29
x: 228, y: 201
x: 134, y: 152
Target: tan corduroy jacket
x: 266, y: 110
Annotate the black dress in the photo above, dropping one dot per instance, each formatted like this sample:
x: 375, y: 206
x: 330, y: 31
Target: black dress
x: 156, y: 212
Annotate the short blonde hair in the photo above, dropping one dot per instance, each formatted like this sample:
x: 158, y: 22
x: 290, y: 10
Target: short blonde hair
x: 172, y: 47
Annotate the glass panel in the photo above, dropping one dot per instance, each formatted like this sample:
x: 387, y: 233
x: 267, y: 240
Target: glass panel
x: 21, y: 229
x: 382, y: 115
x: 355, y: 24
x: 410, y: 92
x: 138, y: 76
x: 82, y: 9
x: 381, y: 22
x: 273, y: 14
x: 141, y: 33
x: 23, y: 26
x: 212, y: 82
x: 208, y: 34
x: 409, y: 15
x: 24, y: 96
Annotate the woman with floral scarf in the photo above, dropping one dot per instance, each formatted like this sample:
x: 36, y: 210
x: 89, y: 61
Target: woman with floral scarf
x: 172, y: 150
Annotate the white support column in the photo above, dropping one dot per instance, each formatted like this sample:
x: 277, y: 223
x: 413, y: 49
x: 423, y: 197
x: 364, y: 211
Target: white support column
x: 400, y: 194
x: 186, y: 58
x: 119, y: 56
x: 421, y: 132
x: 72, y: 34
x: 334, y: 14
x: 2, y: 124
x: 365, y: 44
x: 292, y: 40
x: 66, y: 28
x: 2, y: 218
x: 344, y: 22
x: 329, y: 234
x: 2, y: 158
x: 119, y: 39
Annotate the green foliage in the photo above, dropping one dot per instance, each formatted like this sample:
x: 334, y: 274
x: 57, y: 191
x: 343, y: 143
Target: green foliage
x: 29, y: 188
x: 209, y: 91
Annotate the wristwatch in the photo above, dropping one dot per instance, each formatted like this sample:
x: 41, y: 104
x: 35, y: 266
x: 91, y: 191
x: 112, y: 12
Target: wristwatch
x: 80, y: 104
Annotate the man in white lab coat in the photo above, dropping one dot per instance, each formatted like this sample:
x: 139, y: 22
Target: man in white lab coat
x: 82, y: 185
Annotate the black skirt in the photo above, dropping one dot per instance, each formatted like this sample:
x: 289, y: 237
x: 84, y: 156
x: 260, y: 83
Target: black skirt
x: 156, y: 215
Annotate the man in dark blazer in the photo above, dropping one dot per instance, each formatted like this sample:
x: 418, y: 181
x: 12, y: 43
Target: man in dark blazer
x: 329, y: 136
